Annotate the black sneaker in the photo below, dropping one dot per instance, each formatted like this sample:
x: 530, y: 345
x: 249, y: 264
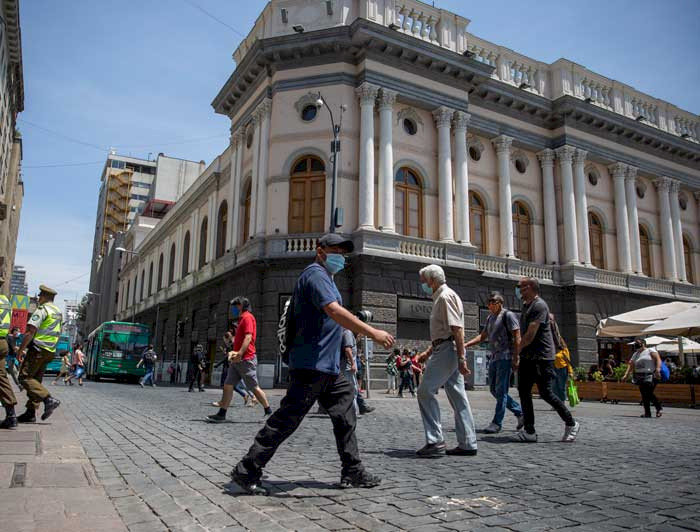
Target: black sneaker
x: 29, y: 416
x: 50, y: 404
x: 250, y: 486
x: 366, y: 410
x: 216, y: 418
x: 201, y: 389
x: 9, y: 423
x: 432, y: 450
x: 362, y: 479
x: 458, y: 451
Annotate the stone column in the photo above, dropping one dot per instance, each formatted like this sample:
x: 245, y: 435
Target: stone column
x: 367, y: 94
x: 502, y: 144
x: 565, y: 155
x: 584, y: 240
x: 549, y: 202
x: 211, y: 226
x: 255, y: 147
x: 234, y: 190
x: 387, y: 99
x: 264, y: 110
x: 443, y: 121
x: 618, y: 172
x: 194, y: 241
x: 633, y: 219
x: 663, y: 184
x: 677, y: 231
x: 461, y: 121
x: 178, y: 253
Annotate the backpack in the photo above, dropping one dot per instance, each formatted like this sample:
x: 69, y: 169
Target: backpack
x: 665, y: 372
x: 285, y: 330
x: 149, y: 356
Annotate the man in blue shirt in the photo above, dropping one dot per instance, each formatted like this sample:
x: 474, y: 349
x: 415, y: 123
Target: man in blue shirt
x: 315, y: 371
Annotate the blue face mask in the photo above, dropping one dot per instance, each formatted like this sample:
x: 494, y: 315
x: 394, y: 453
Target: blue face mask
x: 235, y: 311
x: 426, y: 289
x: 334, y: 262
x: 518, y: 295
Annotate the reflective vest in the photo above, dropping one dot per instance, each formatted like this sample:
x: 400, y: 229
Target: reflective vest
x: 5, y: 316
x: 49, y: 331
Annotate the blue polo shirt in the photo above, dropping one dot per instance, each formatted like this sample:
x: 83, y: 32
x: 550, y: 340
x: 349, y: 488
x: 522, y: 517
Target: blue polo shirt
x: 316, y: 343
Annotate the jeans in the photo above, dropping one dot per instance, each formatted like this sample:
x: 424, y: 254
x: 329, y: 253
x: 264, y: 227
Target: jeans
x: 197, y: 375
x: 390, y: 382
x: 499, y: 382
x: 648, y: 397
x: 440, y: 370
x: 562, y: 375
x: 350, y: 376
x: 241, y: 390
x: 540, y: 372
x: 406, y: 382
x: 147, y: 377
x: 335, y: 393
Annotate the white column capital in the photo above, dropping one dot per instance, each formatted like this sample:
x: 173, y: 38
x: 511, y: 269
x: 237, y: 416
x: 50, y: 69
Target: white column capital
x: 367, y: 93
x: 546, y: 157
x: 387, y: 99
x: 675, y: 187
x: 565, y: 154
x: 580, y: 156
x: 618, y: 170
x: 502, y: 143
x: 631, y: 175
x: 663, y: 184
x: 461, y: 121
x: 237, y: 137
x: 264, y: 109
x: 443, y: 116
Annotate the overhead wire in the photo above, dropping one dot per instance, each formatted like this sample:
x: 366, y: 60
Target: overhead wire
x: 214, y: 17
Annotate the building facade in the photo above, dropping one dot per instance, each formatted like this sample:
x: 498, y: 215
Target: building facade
x: 18, y: 281
x: 11, y: 104
x: 454, y: 150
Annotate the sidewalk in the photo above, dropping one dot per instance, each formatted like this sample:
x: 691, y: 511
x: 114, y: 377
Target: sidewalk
x: 48, y: 483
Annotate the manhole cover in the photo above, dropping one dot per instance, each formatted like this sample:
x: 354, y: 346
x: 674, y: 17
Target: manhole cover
x: 20, y: 442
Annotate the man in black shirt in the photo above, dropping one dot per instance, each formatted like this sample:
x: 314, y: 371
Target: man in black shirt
x: 534, y: 361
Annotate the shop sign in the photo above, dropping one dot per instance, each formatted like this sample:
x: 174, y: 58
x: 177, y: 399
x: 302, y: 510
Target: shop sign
x: 415, y: 309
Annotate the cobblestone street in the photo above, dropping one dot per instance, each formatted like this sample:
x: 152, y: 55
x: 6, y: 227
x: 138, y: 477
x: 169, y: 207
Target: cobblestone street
x: 166, y: 469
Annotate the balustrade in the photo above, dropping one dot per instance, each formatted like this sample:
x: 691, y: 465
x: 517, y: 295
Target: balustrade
x: 420, y: 249
x: 301, y: 244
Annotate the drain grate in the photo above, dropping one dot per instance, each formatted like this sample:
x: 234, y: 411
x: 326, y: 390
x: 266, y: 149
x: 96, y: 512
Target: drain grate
x: 19, y: 474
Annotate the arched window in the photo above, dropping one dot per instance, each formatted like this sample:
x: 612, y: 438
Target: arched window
x: 408, y: 203
x: 595, y: 235
x: 646, y: 251
x: 171, y: 265
x: 221, y: 224
x: 246, y: 212
x: 521, y: 231
x: 307, y: 196
x: 186, y: 255
x: 150, y: 279
x: 203, y: 243
x: 477, y: 222
x: 688, y: 259
x: 160, y: 272
x: 143, y: 280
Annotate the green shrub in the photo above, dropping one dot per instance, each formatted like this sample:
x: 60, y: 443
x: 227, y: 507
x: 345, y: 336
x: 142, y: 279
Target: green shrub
x: 581, y: 373
x: 619, y: 372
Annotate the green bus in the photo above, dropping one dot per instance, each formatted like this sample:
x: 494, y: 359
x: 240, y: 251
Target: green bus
x: 114, y: 349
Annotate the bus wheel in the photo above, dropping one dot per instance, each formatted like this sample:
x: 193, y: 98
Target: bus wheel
x: 97, y: 377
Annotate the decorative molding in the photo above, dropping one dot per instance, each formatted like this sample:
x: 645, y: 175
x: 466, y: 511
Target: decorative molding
x: 631, y: 174
x: 475, y: 142
x: 411, y: 114
x: 443, y: 116
x: 546, y: 157
x: 307, y: 99
x: 387, y: 99
x: 618, y: 170
x: 663, y: 184
x: 367, y: 93
x: 502, y: 143
x: 580, y: 156
x: 264, y: 109
x: 519, y: 155
x: 565, y: 154
x: 461, y: 121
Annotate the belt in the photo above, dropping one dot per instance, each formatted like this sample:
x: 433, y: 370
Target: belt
x: 439, y: 341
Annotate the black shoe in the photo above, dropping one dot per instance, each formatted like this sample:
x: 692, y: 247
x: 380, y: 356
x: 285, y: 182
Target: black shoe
x: 50, y: 404
x: 28, y: 417
x: 190, y: 390
x: 432, y: 450
x: 366, y: 410
x: 250, y: 486
x: 216, y: 418
x: 458, y: 451
x: 201, y: 389
x: 362, y: 479
x: 9, y: 423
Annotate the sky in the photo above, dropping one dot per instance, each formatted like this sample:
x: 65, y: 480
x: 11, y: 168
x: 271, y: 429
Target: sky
x: 140, y: 75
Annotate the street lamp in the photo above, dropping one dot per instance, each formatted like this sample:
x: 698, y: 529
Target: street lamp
x: 138, y: 266
x: 335, y: 148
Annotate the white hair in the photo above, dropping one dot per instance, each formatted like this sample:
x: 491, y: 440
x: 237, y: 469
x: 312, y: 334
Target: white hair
x: 434, y: 273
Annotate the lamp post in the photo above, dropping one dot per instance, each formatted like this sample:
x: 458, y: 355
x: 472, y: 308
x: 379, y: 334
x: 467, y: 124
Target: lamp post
x: 335, y: 148
x: 138, y: 266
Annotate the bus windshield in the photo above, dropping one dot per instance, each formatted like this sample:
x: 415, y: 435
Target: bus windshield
x: 133, y: 341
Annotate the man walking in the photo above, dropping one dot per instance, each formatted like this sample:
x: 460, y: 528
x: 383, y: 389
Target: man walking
x: 502, y: 330
x: 198, y: 364
x: 445, y: 365
x: 7, y: 395
x: 534, y: 361
x: 243, y: 358
x: 43, y: 331
x: 348, y: 346
x: 148, y: 361
x: 317, y: 318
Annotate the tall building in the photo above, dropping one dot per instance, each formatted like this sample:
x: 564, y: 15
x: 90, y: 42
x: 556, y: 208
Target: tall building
x: 18, y: 282
x: 11, y: 104
x: 70, y: 319
x: 455, y: 151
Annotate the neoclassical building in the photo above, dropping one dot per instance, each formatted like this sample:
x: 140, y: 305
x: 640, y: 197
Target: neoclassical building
x: 454, y: 150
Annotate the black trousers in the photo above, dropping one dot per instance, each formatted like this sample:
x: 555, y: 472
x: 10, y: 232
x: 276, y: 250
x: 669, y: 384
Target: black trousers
x: 196, y: 377
x: 335, y: 393
x: 540, y: 372
x: 649, y: 398
x: 406, y: 382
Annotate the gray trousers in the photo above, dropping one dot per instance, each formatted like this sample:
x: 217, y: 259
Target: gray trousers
x: 441, y: 369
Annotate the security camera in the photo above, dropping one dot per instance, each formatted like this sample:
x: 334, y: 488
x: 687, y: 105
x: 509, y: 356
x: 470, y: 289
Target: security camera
x: 298, y: 28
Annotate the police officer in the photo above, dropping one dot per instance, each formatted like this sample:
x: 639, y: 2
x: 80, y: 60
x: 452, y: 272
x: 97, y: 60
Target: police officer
x: 7, y: 396
x: 43, y: 331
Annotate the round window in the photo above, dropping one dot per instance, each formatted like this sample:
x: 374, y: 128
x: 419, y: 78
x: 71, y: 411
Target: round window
x: 592, y: 178
x: 641, y: 191
x: 409, y: 126
x: 249, y: 140
x: 308, y: 113
x: 520, y: 166
x: 683, y: 201
x: 474, y: 153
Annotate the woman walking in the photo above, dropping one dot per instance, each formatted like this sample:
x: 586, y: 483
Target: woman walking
x: 78, y: 362
x: 646, y: 368
x: 64, y: 372
x: 562, y: 361
x: 404, y: 365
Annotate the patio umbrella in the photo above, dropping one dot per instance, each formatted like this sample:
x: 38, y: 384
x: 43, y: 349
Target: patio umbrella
x: 638, y: 322
x: 672, y: 347
x: 682, y: 323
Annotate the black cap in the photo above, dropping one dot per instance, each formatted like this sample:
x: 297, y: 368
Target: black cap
x: 334, y: 239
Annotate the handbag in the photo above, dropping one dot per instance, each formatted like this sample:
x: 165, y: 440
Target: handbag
x: 572, y: 393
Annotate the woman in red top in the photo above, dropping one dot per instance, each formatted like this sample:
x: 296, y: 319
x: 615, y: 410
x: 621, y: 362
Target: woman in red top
x: 417, y: 368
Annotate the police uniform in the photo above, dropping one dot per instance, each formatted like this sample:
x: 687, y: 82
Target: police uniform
x: 7, y: 395
x: 47, y: 319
